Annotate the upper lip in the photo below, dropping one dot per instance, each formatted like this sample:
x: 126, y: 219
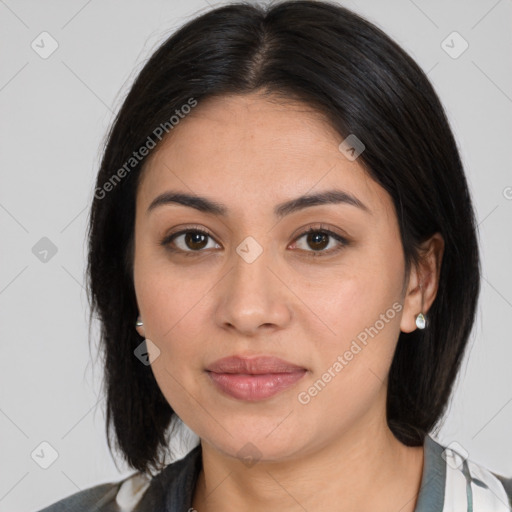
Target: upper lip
x: 253, y: 365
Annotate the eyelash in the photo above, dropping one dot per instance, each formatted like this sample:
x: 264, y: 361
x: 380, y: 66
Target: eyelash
x: 166, y: 241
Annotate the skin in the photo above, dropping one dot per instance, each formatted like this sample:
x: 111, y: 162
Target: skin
x: 251, y: 154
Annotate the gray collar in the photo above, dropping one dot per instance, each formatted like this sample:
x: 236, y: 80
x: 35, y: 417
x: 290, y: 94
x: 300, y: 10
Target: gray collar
x: 431, y: 496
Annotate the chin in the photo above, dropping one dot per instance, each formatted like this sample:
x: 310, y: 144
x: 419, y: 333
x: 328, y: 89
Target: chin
x: 252, y: 448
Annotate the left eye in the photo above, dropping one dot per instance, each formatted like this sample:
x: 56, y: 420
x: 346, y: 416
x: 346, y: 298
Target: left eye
x: 318, y: 240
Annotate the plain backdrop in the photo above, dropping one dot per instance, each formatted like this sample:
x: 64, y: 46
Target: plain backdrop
x: 55, y: 110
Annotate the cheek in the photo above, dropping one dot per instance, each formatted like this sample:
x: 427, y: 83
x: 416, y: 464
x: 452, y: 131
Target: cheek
x: 358, y: 312
x: 166, y: 300
x: 350, y: 368
x: 171, y: 310
x: 345, y: 300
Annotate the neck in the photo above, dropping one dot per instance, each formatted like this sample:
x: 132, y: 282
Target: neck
x: 360, y: 470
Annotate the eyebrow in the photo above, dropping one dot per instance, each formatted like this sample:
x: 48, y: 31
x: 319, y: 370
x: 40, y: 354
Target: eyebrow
x: 206, y: 205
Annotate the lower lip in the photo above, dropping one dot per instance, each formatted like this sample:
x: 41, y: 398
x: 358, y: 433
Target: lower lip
x: 254, y: 387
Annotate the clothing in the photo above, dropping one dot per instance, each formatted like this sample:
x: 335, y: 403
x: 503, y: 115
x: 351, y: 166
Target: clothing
x: 450, y: 483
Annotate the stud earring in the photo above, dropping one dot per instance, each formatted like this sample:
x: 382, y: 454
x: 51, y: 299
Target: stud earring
x: 421, y: 321
x: 139, y: 323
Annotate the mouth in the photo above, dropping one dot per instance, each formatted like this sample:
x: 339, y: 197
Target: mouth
x: 253, y: 365
x: 253, y: 379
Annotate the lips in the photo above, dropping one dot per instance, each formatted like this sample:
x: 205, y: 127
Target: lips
x: 253, y: 366
x: 253, y: 379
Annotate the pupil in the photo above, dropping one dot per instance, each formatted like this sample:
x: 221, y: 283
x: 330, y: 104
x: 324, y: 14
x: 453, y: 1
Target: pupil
x: 191, y: 241
x: 316, y: 237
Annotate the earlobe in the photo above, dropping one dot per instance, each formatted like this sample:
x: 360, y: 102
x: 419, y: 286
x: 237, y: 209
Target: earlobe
x: 424, y: 282
x: 412, y: 310
x: 414, y: 317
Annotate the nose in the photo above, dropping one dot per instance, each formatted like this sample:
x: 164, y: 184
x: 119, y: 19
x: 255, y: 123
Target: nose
x: 253, y: 296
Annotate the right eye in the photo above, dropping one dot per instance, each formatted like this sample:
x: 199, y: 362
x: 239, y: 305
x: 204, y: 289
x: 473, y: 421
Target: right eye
x: 187, y: 241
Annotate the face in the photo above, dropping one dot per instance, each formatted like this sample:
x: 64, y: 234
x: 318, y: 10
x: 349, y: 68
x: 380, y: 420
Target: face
x: 255, y: 283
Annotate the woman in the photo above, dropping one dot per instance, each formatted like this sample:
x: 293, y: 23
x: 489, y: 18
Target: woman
x: 283, y: 256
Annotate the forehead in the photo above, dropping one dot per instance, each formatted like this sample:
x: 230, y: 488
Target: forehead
x: 248, y: 149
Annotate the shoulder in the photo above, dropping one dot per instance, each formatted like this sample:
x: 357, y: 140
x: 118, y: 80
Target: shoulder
x: 469, y: 481
x: 507, y: 485
x: 98, y: 498
x: 138, y: 492
x: 107, y: 497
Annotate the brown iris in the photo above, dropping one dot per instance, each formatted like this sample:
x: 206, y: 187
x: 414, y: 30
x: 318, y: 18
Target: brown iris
x: 318, y: 239
x: 195, y: 240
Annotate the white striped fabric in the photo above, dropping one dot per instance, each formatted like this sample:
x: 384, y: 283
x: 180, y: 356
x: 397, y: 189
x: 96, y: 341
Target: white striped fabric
x: 470, y: 487
x: 131, y: 491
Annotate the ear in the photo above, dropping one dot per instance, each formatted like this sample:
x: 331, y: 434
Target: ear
x: 423, y: 282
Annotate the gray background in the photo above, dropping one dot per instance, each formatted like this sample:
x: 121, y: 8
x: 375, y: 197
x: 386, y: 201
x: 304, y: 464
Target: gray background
x: 54, y: 115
